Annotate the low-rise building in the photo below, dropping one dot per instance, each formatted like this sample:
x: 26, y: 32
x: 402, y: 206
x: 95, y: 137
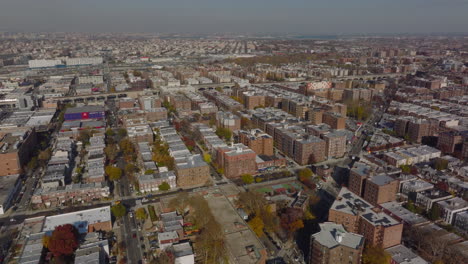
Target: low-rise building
x: 451, y: 207
x: 150, y: 182
x: 403, y: 255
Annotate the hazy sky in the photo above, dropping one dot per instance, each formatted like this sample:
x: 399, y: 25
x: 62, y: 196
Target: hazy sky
x: 206, y: 16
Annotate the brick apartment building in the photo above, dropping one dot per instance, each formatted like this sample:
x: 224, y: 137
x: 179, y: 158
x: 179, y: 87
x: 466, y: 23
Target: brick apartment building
x: 374, y: 189
x: 179, y: 102
x: 315, y: 115
x: 380, y: 189
x: 334, y: 245
x: 126, y: 103
x: 16, y: 149
x: 258, y: 141
x: 192, y: 172
x: 451, y: 142
x: 236, y: 160
x: 335, y: 144
x: 252, y: 100
x: 302, y: 148
x: 357, y: 178
x: 359, y: 216
x: 149, y: 102
x: 334, y: 120
x: 309, y: 150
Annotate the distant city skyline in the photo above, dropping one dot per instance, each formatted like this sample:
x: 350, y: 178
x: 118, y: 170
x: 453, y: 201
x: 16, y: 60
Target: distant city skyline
x: 241, y: 16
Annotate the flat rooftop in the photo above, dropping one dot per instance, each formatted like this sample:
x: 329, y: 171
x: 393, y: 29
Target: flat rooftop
x: 350, y: 203
x: 91, y: 216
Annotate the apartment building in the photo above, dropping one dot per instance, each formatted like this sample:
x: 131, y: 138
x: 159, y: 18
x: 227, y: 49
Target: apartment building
x: 334, y: 120
x: 258, y: 141
x: 15, y: 149
x: 380, y: 189
x: 192, y: 171
x: 357, y: 178
x: 309, y: 150
x: 359, y: 216
x: 335, y: 144
x: 236, y: 160
x: 334, y: 245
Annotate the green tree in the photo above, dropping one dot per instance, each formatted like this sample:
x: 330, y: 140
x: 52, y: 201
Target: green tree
x: 122, y: 132
x: 110, y: 132
x: 164, y: 186
x: 375, y: 255
x: 247, y: 178
x: 305, y: 174
x: 114, y: 173
x: 405, y: 168
x: 207, y: 158
x: 118, y: 210
x: 141, y: 214
x: 434, y: 213
x: 410, y: 206
x: 224, y: 133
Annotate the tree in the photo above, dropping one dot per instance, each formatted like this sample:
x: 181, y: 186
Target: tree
x: 141, y: 214
x: 164, y: 186
x: 375, y: 255
x: 110, y: 132
x: 165, y: 257
x: 111, y: 151
x: 32, y: 163
x: 44, y: 155
x: 122, y: 132
x: 405, y: 169
x: 63, y: 241
x: 441, y: 164
x: 126, y: 146
x: 130, y: 168
x: 180, y: 202
x: 308, y: 215
x: 291, y: 219
x: 84, y: 136
x: 224, y: 133
x: 434, y: 213
x: 305, y: 174
x: 247, y: 178
x: 114, y: 173
x: 207, y: 158
x: 118, y: 210
x: 246, y: 123
x: 252, y: 202
x: 410, y: 206
x: 257, y: 225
